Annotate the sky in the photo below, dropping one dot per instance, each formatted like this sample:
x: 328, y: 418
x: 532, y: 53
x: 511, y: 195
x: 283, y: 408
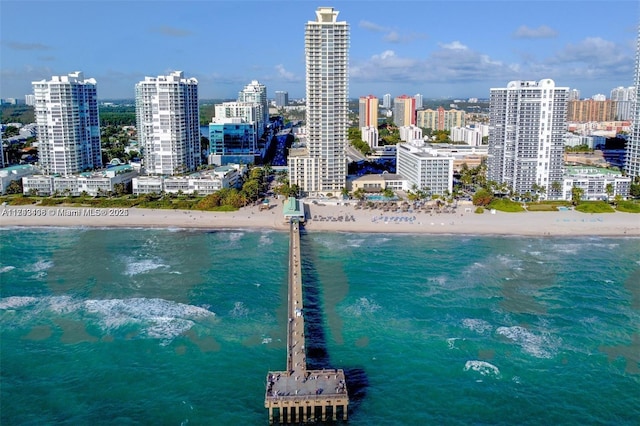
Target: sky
x: 440, y: 49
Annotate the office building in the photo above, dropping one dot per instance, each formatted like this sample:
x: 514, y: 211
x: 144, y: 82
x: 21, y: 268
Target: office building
x: 632, y: 158
x: 66, y: 113
x: 404, y: 111
x: 527, y: 122
x: 322, y: 167
x: 282, y: 99
x: 167, y: 115
x: 256, y: 93
x: 231, y: 140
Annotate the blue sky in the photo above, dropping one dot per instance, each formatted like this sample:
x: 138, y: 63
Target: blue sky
x: 436, y: 48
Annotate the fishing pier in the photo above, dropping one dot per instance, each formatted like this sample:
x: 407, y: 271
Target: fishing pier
x: 299, y: 395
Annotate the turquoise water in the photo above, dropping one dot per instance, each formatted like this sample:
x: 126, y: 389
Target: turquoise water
x: 134, y: 326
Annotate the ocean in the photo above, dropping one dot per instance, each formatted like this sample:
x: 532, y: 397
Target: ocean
x: 180, y: 327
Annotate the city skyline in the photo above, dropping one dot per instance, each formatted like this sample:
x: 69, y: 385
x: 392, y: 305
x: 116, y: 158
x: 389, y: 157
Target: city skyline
x: 439, y: 49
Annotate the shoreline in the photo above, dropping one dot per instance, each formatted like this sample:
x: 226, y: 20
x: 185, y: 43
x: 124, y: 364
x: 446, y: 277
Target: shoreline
x: 343, y: 218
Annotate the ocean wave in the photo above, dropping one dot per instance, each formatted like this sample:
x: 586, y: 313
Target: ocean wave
x: 239, y: 310
x: 477, y: 325
x: 40, y: 266
x: 156, y: 318
x: 235, y: 236
x: 482, y: 367
x: 7, y: 269
x: 537, y: 345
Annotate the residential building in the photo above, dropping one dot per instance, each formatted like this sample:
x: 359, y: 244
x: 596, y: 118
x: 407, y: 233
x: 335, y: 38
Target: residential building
x: 623, y: 93
x: 599, y: 97
x: 410, y: 133
x: 440, y: 119
x: 386, y: 101
x: 632, y: 160
x: 2, y: 155
x: 419, y: 99
x: 471, y: 135
x: 9, y: 174
x: 256, y: 93
x: 591, y: 110
x: 231, y: 140
x: 574, y: 95
x: 282, y: 98
x: 94, y: 183
x: 30, y: 100
x: 527, y: 122
x: 371, y: 136
x: 596, y: 183
x: 368, y: 111
x: 404, y: 111
x: 202, y: 183
x: 322, y: 167
x: 168, y: 121
x: 66, y: 113
x: 424, y: 167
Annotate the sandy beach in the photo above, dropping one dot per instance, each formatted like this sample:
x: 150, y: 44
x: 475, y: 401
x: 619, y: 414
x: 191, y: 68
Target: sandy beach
x: 335, y: 218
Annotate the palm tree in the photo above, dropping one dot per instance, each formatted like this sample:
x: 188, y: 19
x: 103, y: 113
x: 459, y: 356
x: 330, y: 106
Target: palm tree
x: 576, y: 195
x: 609, y: 190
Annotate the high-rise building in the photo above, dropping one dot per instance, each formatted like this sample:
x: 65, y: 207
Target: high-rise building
x: 168, y: 119
x: 257, y: 93
x: 282, y: 98
x: 66, y: 112
x: 623, y: 93
x: 632, y: 159
x: 404, y: 111
x: 527, y: 123
x: 418, y: 98
x: 591, y: 110
x: 30, y: 100
x: 322, y: 167
x: 386, y: 101
x: 574, y: 95
x: 368, y: 111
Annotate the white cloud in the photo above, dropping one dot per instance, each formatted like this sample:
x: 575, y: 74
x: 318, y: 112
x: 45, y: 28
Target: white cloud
x: 284, y: 74
x: 371, y: 26
x: 542, y: 31
x: 454, y: 45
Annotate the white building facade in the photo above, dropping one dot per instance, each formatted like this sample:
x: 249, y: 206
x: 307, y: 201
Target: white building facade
x: 66, y: 113
x: 632, y: 160
x: 596, y: 183
x: 256, y: 93
x: 425, y: 168
x: 327, y: 91
x: 168, y: 122
x: 527, y: 123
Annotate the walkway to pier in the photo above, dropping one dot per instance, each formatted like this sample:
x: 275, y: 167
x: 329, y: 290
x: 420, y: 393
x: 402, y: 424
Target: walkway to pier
x: 297, y: 394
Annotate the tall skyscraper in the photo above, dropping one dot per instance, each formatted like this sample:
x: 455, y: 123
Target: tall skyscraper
x: 282, y: 98
x: 257, y: 93
x: 167, y: 115
x: 404, y: 111
x: 632, y: 159
x: 527, y: 122
x: 66, y: 112
x: 386, y: 101
x: 574, y: 95
x: 322, y: 168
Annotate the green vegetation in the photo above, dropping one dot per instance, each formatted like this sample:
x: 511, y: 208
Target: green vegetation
x: 594, y: 207
x: 479, y: 210
x: 117, y: 115
x: 482, y: 197
x: 629, y: 206
x: 506, y: 205
x: 578, y: 148
x: 23, y: 114
x: 354, y: 135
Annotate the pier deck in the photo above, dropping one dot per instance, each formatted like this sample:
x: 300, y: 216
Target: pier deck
x: 297, y: 394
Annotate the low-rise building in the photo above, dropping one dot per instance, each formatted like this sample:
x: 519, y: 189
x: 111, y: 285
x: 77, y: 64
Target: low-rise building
x: 95, y: 183
x: 379, y: 182
x: 9, y: 174
x: 595, y: 182
x: 200, y: 183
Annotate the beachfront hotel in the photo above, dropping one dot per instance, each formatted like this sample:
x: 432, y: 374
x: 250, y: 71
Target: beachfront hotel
x: 527, y: 123
x: 168, y: 124
x: 66, y: 113
x: 632, y: 161
x: 321, y: 168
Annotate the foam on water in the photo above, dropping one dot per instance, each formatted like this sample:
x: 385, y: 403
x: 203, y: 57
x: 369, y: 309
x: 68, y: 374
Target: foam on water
x: 239, y: 310
x: 235, y: 236
x: 157, y: 318
x: 143, y: 266
x: 7, y: 269
x: 477, y: 325
x: 362, y: 306
x: 355, y: 242
x: 265, y: 240
x: 482, y: 367
x: 40, y: 266
x: 538, y: 345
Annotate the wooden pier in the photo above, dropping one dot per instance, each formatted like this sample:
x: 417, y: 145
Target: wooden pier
x: 298, y: 395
